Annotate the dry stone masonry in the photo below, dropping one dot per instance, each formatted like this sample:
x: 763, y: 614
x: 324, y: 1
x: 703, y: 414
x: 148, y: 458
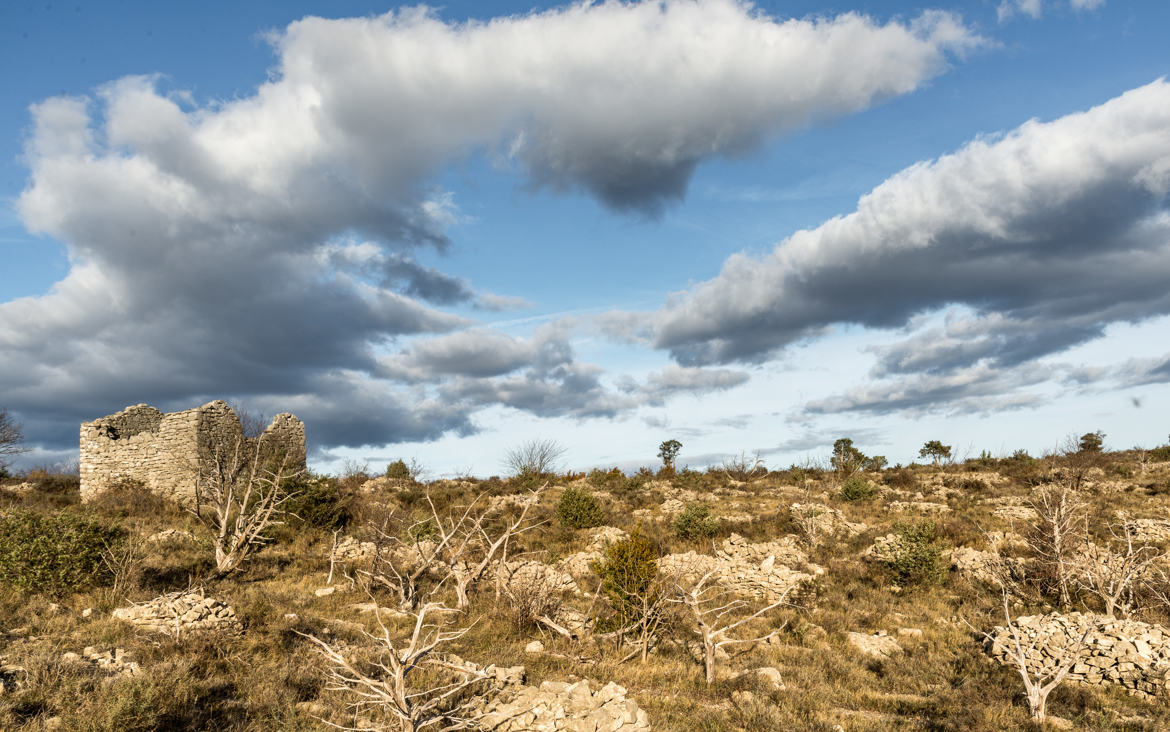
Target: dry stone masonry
x: 1128, y: 653
x: 166, y: 451
x: 179, y: 614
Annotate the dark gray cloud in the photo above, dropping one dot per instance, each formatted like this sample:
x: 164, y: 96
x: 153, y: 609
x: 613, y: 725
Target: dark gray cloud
x: 258, y: 247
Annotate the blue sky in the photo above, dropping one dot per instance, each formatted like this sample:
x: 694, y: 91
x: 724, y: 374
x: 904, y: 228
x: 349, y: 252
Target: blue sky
x: 750, y: 227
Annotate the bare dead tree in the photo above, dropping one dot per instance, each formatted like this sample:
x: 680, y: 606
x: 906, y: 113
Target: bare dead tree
x: 238, y: 496
x: 716, y: 613
x: 252, y: 423
x: 1057, y: 534
x: 461, y: 548
x: 483, y: 546
x: 396, y: 681
x: 122, y: 561
x: 534, y: 458
x: 1114, y: 577
x: 1039, y: 680
x: 11, y: 437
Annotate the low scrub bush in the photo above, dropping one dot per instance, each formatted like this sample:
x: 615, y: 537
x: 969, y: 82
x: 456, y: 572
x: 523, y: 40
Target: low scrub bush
x: 55, y: 553
x: 900, y: 478
x: 398, y: 470
x: 695, y: 522
x: 578, y: 509
x: 130, y: 498
x: 318, y: 502
x: 858, y: 489
x: 627, y: 570
x: 917, y: 557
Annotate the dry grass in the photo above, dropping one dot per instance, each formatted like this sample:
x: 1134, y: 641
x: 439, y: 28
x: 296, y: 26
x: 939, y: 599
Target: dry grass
x: 266, y: 677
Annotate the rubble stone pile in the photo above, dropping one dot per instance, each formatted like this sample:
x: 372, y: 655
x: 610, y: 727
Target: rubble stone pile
x: 825, y: 519
x: 1150, y: 531
x: 764, y: 571
x: 580, y: 564
x: 180, y: 613
x: 981, y: 565
x: 1127, y: 653
x: 382, y: 486
x: 556, y: 705
x: 350, y: 550
x: 520, y: 576
x: 117, y: 662
x: 919, y: 507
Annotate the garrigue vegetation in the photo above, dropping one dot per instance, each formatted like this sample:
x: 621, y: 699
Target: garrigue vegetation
x: 733, y: 598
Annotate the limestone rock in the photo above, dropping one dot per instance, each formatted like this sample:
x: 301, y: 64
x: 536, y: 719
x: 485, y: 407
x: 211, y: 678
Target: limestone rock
x: 762, y: 571
x: 1126, y: 653
x: 180, y: 613
x: 171, y: 535
x: 562, y: 706
x: 878, y: 645
x: 819, y: 520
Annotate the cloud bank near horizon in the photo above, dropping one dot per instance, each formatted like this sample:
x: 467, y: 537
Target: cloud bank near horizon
x: 1033, y: 242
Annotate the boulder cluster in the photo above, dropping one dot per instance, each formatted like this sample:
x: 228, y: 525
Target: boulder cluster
x: 1100, y: 650
x: 180, y: 613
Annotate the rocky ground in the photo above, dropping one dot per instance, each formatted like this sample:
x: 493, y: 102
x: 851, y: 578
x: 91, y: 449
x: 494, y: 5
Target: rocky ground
x: 913, y: 607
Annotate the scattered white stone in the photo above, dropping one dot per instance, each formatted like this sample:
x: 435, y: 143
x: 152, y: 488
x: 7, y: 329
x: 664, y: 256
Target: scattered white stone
x: 171, y: 535
x: 534, y: 647
x: 324, y: 591
x: 768, y: 675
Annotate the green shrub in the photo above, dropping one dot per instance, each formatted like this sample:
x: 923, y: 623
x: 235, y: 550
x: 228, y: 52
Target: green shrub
x: 1161, y: 454
x: 695, y: 522
x: 917, y: 556
x: 578, y: 509
x: 56, y: 553
x: 398, y: 470
x: 858, y: 489
x: 317, y: 502
x: 423, y: 529
x: 627, y: 572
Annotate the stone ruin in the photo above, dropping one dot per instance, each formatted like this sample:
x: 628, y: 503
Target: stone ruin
x: 166, y: 452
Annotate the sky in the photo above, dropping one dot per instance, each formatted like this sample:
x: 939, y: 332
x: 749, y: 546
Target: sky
x: 438, y: 233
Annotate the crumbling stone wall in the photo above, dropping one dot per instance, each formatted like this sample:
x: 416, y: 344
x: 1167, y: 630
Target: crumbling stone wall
x: 167, y: 451
x: 1127, y: 653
